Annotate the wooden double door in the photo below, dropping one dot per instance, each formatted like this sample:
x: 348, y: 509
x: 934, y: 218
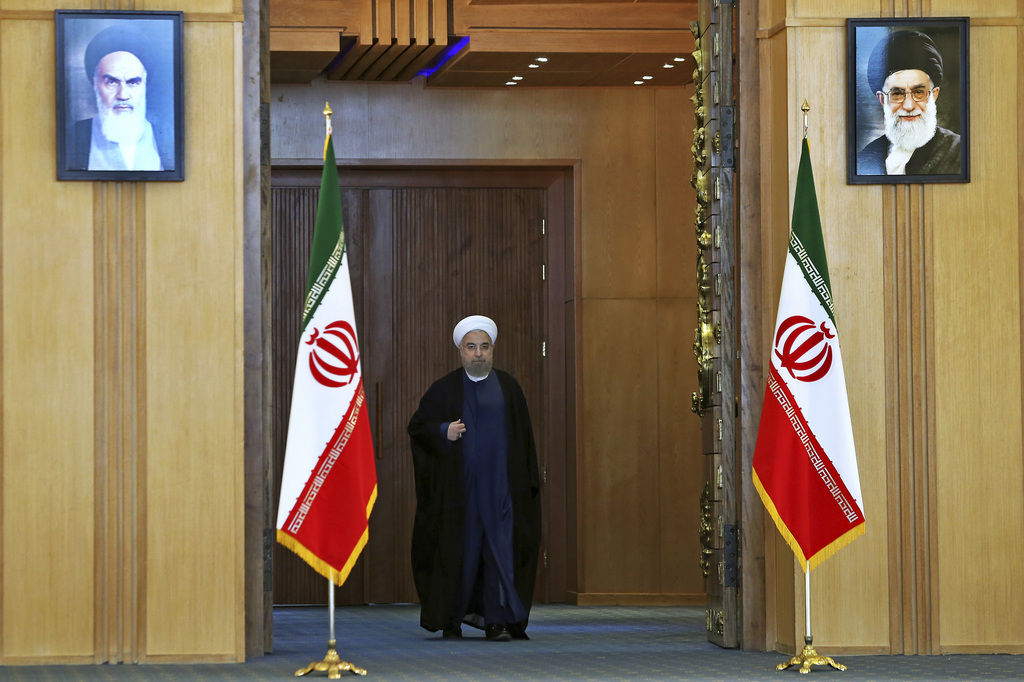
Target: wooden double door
x: 426, y: 248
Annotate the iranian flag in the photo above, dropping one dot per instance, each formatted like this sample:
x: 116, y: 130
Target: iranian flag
x: 329, y: 482
x: 805, y: 465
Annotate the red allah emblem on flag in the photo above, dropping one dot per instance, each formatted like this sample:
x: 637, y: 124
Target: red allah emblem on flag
x: 334, y: 358
x: 803, y: 348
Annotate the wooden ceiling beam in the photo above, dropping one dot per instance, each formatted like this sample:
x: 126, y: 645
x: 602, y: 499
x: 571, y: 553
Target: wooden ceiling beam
x: 542, y: 14
x: 317, y: 14
x: 586, y: 41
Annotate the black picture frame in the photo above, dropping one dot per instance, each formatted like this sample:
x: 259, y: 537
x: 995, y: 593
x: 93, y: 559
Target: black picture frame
x: 867, y: 140
x: 152, y: 39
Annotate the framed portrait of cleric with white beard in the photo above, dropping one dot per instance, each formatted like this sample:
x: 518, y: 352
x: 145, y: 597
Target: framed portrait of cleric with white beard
x: 907, y: 95
x: 119, y: 95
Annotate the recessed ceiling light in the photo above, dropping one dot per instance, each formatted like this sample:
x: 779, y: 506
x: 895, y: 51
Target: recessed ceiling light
x: 511, y: 83
x: 647, y: 78
x: 541, y: 59
x: 517, y: 78
x: 534, y: 66
x: 638, y: 82
x: 679, y: 59
x: 668, y: 66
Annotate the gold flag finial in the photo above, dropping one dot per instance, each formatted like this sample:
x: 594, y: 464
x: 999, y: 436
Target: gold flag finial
x: 805, y: 108
x: 327, y: 125
x: 327, y: 118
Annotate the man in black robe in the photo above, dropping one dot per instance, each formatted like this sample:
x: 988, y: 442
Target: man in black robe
x: 477, y: 530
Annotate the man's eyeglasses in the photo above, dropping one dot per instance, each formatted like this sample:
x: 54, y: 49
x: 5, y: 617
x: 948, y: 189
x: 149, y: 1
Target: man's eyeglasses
x: 898, y: 95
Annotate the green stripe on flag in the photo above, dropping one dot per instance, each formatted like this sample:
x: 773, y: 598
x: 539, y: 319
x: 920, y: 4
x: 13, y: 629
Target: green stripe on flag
x: 805, y: 240
x: 328, y: 237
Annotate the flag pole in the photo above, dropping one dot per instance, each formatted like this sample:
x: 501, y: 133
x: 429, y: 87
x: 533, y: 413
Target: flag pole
x: 808, y: 656
x: 332, y: 663
x: 330, y: 609
x: 807, y: 607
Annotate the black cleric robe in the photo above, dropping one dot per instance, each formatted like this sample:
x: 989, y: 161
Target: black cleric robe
x: 941, y: 155
x: 437, y: 536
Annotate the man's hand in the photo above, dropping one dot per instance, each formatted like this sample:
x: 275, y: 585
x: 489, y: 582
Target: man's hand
x: 455, y: 430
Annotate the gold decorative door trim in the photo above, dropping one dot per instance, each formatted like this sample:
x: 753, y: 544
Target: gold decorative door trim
x: 714, y: 337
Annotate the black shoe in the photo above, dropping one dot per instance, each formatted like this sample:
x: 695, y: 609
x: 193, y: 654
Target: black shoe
x: 497, y: 633
x: 452, y: 632
x: 517, y: 631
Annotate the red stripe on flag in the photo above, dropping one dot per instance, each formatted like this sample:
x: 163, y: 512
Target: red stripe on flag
x: 330, y: 518
x: 810, y: 499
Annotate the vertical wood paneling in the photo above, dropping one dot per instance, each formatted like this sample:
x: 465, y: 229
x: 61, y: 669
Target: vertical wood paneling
x: 293, y: 218
x: 750, y: 299
x: 194, y: 373
x: 979, y: 466
x: 618, y: 253
x: 619, y: 486
x: 775, y: 163
x: 119, y: 220
x: 420, y: 282
x: 47, y: 357
x: 678, y: 489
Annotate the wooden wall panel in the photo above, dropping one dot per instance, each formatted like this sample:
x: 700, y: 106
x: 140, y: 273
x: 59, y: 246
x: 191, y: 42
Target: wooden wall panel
x: 775, y: 163
x: 678, y: 427
x: 674, y: 210
x: 410, y: 123
x: 194, y: 398
x: 46, y: 447
x: 588, y: 15
x: 977, y: 362
x: 203, y: 10
x: 679, y: 466
x: 976, y: 9
x: 618, y: 247
x: 826, y: 9
x: 619, y: 487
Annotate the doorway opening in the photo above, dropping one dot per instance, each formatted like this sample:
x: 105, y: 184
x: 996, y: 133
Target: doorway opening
x: 426, y: 247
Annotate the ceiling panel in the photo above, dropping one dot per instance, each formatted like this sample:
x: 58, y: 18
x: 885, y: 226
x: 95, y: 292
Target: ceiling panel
x: 595, y: 43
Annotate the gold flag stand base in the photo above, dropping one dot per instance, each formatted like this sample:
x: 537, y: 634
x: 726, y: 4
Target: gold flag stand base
x: 332, y: 664
x: 809, y: 657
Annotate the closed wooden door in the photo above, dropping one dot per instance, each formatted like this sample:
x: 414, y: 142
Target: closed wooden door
x: 425, y: 249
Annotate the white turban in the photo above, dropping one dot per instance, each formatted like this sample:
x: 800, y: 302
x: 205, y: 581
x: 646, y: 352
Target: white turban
x: 475, y: 323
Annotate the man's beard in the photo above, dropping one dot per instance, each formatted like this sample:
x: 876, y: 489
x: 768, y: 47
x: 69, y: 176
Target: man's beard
x: 126, y: 127
x: 477, y: 369
x: 911, y: 134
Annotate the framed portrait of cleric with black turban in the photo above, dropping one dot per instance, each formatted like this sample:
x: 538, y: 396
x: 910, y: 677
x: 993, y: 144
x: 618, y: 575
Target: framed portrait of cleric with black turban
x: 907, y: 101
x: 119, y: 95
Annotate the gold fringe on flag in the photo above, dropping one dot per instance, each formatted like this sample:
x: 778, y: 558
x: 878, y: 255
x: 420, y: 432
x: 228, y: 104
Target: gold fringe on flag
x: 822, y: 554
x: 321, y: 566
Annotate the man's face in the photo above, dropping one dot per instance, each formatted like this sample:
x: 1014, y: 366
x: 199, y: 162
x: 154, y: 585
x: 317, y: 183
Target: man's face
x: 477, y: 351
x: 120, y: 82
x: 911, y: 122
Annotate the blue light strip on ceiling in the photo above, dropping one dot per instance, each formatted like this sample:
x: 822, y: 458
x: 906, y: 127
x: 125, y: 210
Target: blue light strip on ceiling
x: 445, y: 57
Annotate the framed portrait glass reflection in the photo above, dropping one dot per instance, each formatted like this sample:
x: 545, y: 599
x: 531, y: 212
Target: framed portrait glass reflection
x: 119, y: 95
x: 907, y: 100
